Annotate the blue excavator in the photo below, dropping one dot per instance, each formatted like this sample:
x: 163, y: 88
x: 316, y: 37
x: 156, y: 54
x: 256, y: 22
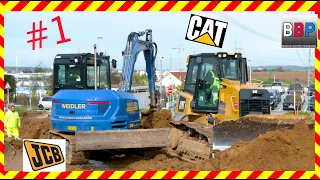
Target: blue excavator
x: 91, y: 116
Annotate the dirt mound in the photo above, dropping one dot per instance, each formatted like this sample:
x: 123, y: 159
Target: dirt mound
x: 161, y: 162
x: 13, y: 154
x: 275, y: 150
x: 35, y: 126
x: 157, y: 119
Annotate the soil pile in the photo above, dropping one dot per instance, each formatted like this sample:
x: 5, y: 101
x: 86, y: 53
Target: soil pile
x: 35, y: 125
x: 157, y: 119
x: 13, y: 154
x: 161, y: 162
x: 275, y: 150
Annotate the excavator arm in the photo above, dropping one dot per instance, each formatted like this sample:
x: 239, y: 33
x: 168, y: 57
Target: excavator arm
x: 133, y: 47
x: 133, y: 138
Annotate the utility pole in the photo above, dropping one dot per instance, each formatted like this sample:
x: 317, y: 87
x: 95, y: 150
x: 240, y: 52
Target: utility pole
x: 17, y: 64
x: 250, y: 70
x: 98, y: 43
x: 309, y: 72
x: 161, y: 58
x: 179, y: 51
x: 170, y: 57
x: 194, y: 51
x: 95, y: 66
x: 17, y: 69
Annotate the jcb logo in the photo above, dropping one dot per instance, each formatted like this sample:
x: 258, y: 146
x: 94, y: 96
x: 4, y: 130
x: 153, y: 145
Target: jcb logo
x: 206, y: 30
x: 43, y: 155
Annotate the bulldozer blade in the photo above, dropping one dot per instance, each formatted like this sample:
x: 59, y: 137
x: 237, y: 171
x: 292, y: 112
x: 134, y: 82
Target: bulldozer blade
x: 249, y: 127
x: 122, y: 139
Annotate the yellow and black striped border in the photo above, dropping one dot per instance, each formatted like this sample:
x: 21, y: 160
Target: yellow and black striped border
x: 158, y: 6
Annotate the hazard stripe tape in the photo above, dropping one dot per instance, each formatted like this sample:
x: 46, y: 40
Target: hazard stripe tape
x: 157, y: 6
x: 161, y: 6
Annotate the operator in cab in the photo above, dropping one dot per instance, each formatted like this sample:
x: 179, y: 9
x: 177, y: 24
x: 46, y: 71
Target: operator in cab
x: 213, y: 85
x: 75, y: 76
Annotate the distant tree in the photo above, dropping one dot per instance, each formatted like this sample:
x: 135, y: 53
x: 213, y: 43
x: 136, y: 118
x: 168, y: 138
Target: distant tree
x: 115, y: 77
x: 279, y: 69
x: 265, y: 69
x: 49, y: 85
x: 12, y: 81
x: 138, y: 79
x: 39, y: 68
x: 27, y: 70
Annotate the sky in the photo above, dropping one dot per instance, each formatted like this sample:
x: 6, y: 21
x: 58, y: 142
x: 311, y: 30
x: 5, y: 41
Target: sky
x: 169, y: 30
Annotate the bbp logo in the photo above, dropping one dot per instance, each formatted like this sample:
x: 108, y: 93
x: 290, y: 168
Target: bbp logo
x: 44, y: 155
x: 299, y: 31
x: 206, y: 30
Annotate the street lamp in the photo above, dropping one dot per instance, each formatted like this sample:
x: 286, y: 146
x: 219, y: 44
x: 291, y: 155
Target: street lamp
x: 30, y: 93
x: 161, y: 58
x: 98, y: 43
x: 250, y: 70
x: 179, y: 51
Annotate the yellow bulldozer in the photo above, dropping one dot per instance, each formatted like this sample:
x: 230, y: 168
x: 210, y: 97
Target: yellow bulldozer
x: 204, y: 121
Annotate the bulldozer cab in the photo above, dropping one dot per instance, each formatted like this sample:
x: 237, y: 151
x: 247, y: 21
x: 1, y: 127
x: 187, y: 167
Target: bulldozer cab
x: 204, y: 75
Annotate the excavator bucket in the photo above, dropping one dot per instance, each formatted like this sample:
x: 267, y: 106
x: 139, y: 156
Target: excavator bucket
x: 122, y: 139
x: 250, y: 126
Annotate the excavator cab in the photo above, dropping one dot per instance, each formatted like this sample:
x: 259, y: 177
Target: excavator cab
x: 76, y: 71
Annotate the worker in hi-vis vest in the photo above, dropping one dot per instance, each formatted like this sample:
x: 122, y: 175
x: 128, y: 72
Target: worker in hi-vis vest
x: 213, y: 85
x: 12, y: 122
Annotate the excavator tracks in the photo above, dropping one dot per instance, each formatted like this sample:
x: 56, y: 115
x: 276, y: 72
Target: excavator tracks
x: 191, y: 141
x: 73, y: 157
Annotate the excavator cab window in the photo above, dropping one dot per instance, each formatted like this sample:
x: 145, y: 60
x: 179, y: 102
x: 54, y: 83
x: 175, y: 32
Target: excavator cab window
x: 75, y: 71
x: 103, y: 68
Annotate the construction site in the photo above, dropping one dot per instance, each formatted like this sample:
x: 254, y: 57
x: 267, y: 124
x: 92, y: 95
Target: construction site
x: 275, y: 150
x: 219, y: 120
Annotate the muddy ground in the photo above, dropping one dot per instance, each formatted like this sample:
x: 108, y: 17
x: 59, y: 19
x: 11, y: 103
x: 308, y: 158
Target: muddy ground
x: 275, y: 150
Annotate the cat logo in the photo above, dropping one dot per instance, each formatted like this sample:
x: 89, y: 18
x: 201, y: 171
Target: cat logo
x: 206, y: 31
x: 42, y: 155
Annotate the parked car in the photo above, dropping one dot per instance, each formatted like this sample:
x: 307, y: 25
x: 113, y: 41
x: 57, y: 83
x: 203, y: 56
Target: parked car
x: 45, y: 102
x: 311, y: 90
x: 278, y: 86
x: 278, y: 95
x: 295, y: 86
x: 274, y: 98
x: 289, y: 101
x: 311, y: 103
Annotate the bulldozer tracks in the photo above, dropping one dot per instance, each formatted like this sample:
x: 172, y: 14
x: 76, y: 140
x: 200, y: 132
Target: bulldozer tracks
x: 191, y: 141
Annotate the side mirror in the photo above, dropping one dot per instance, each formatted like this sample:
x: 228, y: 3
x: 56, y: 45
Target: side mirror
x: 114, y: 63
